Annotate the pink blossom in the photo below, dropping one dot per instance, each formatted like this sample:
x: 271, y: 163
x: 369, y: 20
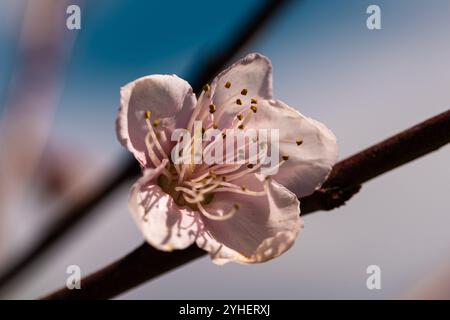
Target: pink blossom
x: 233, y: 211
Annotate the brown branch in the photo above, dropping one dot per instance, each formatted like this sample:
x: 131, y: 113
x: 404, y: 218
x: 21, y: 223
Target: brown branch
x: 146, y: 263
x: 130, y: 169
x: 389, y: 154
x: 393, y: 152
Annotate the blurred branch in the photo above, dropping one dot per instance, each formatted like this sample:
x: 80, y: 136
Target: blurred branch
x: 43, y: 51
x: 130, y: 168
x: 146, y: 263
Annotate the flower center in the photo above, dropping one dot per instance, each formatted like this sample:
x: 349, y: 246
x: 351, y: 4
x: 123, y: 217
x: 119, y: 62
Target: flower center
x: 195, y: 185
x: 171, y: 187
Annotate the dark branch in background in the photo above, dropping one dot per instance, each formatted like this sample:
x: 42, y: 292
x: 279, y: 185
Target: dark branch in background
x: 130, y: 168
x: 139, y: 266
x: 146, y: 263
x: 43, y: 52
x: 389, y: 154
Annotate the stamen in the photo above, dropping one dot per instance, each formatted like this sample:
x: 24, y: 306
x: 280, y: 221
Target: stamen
x: 276, y: 167
x: 244, y: 172
x: 206, y: 87
x: 155, y: 138
x: 215, y: 126
x: 181, y: 173
x: 244, y: 117
x: 198, y: 185
x: 186, y: 190
x: 190, y: 200
x: 285, y: 158
x: 253, y: 168
x: 253, y: 101
x: 199, y: 110
x: 240, y: 191
x: 147, y: 114
x: 228, y: 85
x: 221, y: 169
x: 244, y: 92
x: 209, y: 189
x: 299, y: 141
x: 153, y: 157
x: 239, y: 101
x: 241, y: 127
x: 254, y: 108
x: 226, y: 216
x: 200, y: 178
x: 212, y: 108
x: 157, y: 122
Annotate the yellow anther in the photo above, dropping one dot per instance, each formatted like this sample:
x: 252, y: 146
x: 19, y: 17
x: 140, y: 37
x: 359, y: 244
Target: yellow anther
x: 239, y: 101
x: 228, y: 85
x: 241, y: 126
x: 215, y: 126
x: 206, y: 87
x: 156, y: 122
x: 253, y: 101
x: 239, y: 116
x: 244, y: 92
x: 212, y: 108
x: 250, y: 165
x: 147, y: 114
x: 254, y: 109
x: 299, y: 141
x: 224, y: 135
x: 285, y: 158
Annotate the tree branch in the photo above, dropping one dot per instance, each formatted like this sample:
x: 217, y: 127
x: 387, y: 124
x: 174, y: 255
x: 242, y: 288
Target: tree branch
x: 146, y: 263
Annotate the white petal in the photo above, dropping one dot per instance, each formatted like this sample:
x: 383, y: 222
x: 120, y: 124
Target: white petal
x: 253, y: 73
x: 263, y: 227
x: 167, y: 97
x: 310, y: 163
x: 163, y: 224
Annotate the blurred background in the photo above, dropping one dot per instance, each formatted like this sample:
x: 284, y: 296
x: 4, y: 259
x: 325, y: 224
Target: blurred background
x: 59, y: 94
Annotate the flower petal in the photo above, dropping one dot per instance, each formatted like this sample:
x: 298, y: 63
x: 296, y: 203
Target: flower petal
x: 310, y: 146
x: 167, y: 97
x: 262, y: 228
x: 163, y: 224
x: 252, y: 73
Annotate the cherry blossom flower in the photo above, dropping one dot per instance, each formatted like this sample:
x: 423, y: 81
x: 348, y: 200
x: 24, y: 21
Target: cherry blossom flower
x: 233, y: 211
